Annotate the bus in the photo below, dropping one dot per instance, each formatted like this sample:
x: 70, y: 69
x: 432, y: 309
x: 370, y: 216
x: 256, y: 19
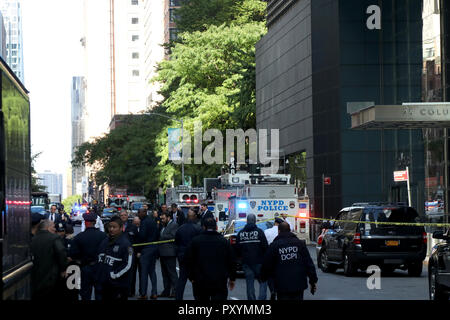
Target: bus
x: 40, y: 199
x: 15, y: 186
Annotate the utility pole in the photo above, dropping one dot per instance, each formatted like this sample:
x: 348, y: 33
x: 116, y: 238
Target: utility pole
x: 323, y: 196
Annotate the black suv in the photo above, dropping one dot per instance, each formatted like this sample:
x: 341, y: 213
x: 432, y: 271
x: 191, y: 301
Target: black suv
x: 439, y: 267
x: 357, y: 245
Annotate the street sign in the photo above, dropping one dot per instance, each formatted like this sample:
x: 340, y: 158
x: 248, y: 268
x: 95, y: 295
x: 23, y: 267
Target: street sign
x: 400, y: 176
x: 327, y: 181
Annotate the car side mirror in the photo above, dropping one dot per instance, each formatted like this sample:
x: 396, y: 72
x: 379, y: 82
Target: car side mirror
x: 438, y: 235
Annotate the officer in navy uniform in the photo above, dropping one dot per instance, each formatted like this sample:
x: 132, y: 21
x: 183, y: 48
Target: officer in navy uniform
x: 84, y: 249
x: 289, y: 263
x: 115, y: 259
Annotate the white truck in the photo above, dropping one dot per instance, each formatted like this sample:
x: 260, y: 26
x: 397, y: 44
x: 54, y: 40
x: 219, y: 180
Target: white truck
x: 268, y: 199
x: 185, y: 197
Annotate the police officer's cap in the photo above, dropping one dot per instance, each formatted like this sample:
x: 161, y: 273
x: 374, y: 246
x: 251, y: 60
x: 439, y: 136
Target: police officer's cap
x: 60, y: 227
x: 36, y: 218
x: 89, y: 217
x: 279, y: 220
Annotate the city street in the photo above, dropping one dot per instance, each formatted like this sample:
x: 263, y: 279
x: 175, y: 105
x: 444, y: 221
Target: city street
x: 398, y: 286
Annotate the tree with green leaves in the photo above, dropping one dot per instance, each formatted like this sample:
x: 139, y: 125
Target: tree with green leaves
x: 199, y: 15
x: 70, y: 201
x: 36, y: 186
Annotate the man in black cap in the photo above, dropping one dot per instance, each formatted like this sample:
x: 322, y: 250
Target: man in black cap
x: 84, y: 248
x: 210, y: 263
x: 288, y: 261
x: 36, y: 218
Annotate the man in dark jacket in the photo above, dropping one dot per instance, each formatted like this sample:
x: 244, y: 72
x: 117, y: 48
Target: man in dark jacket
x: 183, y: 238
x: 132, y: 231
x: 210, y: 263
x: 49, y: 262
x: 205, y: 213
x: 289, y: 263
x: 148, y: 232
x: 177, y: 214
x: 115, y: 259
x: 168, y: 256
x: 84, y: 248
x: 251, y: 245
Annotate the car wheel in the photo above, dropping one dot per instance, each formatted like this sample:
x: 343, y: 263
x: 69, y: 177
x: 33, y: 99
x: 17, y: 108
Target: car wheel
x: 387, y: 269
x: 349, y: 266
x: 435, y: 289
x: 415, y: 269
x: 323, y: 263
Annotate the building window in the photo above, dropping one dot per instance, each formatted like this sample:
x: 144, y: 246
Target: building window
x: 135, y: 55
x: 175, y: 3
x: 135, y: 73
x: 173, y: 34
x: 134, y: 20
x: 134, y: 37
x: 14, y: 53
x: 134, y: 2
x: 173, y: 15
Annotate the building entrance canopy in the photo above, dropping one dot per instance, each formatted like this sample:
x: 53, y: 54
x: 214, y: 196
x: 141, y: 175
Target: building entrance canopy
x: 405, y: 116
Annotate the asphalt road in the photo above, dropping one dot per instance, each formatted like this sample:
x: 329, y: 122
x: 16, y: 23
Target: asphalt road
x: 336, y: 286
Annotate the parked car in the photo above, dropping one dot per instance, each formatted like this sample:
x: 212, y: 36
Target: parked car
x: 439, y: 267
x: 357, y: 245
x: 38, y: 209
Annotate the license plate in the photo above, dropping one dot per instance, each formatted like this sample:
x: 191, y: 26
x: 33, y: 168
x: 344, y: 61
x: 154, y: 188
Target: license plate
x: 392, y: 243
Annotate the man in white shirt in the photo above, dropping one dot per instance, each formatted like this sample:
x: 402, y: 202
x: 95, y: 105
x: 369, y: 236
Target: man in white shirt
x: 98, y: 224
x: 272, y: 233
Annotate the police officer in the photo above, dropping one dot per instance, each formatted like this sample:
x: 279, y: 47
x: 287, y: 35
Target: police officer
x: 251, y: 244
x: 84, y: 248
x: 65, y: 230
x: 289, y: 263
x: 115, y: 260
x: 210, y: 263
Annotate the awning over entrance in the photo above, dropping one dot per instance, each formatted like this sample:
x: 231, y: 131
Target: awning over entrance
x: 406, y: 116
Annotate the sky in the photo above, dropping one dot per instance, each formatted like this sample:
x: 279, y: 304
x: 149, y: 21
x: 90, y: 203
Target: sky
x: 52, y: 30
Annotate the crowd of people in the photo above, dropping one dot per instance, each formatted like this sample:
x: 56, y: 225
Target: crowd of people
x: 114, y: 263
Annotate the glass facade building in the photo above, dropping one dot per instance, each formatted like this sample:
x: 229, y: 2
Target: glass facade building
x: 12, y: 15
x: 320, y: 55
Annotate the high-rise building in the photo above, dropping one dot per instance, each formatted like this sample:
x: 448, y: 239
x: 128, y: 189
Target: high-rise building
x: 153, y: 50
x: 95, y: 42
x: 12, y: 15
x: 78, y: 125
x: 320, y: 57
x: 53, y: 181
x: 2, y: 38
x: 128, y: 40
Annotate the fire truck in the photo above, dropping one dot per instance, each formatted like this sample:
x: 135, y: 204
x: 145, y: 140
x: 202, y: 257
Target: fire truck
x: 185, y: 197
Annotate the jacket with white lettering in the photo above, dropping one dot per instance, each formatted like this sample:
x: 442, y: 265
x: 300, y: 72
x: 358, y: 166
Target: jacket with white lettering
x: 251, y: 244
x: 115, y: 258
x: 288, y: 261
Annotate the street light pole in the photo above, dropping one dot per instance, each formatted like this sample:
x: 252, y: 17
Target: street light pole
x: 182, y: 139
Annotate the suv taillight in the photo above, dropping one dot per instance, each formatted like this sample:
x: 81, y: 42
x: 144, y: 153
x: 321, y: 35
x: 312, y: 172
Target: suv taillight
x: 232, y: 240
x: 357, y: 238
x: 424, y: 237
